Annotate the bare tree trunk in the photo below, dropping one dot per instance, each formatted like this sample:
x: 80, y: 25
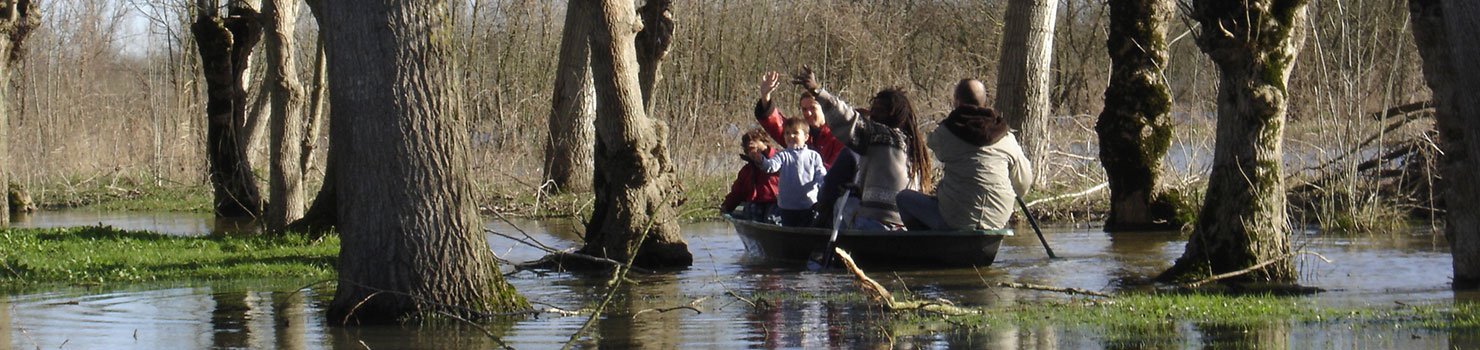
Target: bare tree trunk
x: 1023, y: 75
x: 322, y: 215
x: 573, y: 112
x: 20, y: 18
x: 287, y: 113
x: 1447, y: 39
x: 1134, y: 128
x: 225, y: 45
x: 411, y: 240
x: 652, y: 45
x: 634, y: 178
x: 1243, y: 222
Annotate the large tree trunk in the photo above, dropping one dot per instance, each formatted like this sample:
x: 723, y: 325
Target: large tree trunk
x: 1449, y: 40
x: 1023, y: 74
x: 652, y: 45
x: 1134, y: 128
x: 573, y: 112
x: 20, y: 18
x: 411, y: 240
x: 634, y: 178
x: 285, y: 188
x: 225, y: 44
x: 1242, y: 222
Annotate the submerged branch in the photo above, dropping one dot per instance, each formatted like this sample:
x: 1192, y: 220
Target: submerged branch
x: 1053, y: 289
x: 878, y: 294
x: 692, y: 305
x: 1253, y: 268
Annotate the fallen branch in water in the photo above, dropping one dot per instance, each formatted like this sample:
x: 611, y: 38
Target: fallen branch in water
x: 1254, y: 268
x: 879, y: 295
x: 1053, y: 289
x: 557, y: 254
x: 692, y: 305
x: 495, y: 338
x: 1101, y: 186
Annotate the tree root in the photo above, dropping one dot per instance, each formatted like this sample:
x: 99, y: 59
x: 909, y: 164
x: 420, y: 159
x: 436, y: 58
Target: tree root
x: 881, y: 297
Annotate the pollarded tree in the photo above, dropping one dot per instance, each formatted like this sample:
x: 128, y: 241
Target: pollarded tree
x: 225, y: 44
x: 1023, y: 73
x: 573, y: 112
x: 633, y: 178
x: 1446, y: 40
x: 1243, y: 223
x: 20, y: 18
x: 1134, y: 128
x: 411, y: 240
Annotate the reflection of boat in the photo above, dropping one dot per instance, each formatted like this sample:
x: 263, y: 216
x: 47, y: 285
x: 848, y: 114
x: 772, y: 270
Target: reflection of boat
x: 929, y: 248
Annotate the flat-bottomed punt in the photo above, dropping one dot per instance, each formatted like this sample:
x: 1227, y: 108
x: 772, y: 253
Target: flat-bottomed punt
x: 913, y: 248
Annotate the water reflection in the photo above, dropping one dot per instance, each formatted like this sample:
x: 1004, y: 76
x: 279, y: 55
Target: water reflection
x: 797, y: 309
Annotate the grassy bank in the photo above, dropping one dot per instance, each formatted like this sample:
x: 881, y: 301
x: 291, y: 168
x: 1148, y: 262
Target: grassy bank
x: 103, y: 255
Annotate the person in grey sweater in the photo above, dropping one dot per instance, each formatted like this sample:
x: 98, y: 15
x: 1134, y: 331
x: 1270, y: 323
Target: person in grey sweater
x: 984, y: 168
x: 892, y: 156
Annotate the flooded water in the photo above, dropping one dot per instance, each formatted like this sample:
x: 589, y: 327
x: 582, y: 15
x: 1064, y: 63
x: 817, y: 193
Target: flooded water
x: 1380, y: 270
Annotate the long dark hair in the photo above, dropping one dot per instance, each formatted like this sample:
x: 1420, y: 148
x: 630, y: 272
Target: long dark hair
x: 892, y: 108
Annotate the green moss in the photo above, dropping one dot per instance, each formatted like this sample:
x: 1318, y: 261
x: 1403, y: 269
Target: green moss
x: 104, y: 255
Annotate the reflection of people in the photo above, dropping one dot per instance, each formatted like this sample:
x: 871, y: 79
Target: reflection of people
x: 892, y: 156
x: 753, y: 186
x: 801, y: 172
x: 984, y: 168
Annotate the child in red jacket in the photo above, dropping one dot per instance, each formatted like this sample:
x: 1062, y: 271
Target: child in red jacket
x: 753, y: 185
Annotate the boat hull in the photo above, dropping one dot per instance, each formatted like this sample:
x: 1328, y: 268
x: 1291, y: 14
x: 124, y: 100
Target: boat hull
x: 908, y: 248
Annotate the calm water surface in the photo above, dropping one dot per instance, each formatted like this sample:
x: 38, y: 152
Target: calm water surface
x: 1382, y: 270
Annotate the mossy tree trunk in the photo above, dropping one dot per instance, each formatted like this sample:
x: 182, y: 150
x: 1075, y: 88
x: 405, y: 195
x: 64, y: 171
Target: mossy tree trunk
x: 411, y: 240
x: 572, y: 119
x: 1447, y: 33
x: 1243, y: 221
x: 1023, y: 74
x: 286, y: 122
x: 1134, y: 128
x: 20, y: 18
x: 633, y: 175
x: 225, y: 44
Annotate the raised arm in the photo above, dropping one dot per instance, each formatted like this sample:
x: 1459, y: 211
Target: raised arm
x: 842, y: 121
x: 766, y: 113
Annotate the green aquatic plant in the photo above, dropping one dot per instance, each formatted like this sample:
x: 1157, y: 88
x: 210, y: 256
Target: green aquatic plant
x: 103, y: 255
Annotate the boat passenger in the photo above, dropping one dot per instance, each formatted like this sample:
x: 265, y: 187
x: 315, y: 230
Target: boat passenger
x: 753, y: 187
x: 892, y: 156
x: 984, y: 168
x: 801, y: 172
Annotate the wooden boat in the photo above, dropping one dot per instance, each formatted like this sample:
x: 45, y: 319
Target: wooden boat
x: 909, y: 248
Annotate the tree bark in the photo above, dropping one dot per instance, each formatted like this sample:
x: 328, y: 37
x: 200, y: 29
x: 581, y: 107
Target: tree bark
x: 633, y: 177
x: 1448, y: 54
x: 652, y: 45
x: 1134, y: 129
x: 1023, y: 75
x: 225, y: 43
x: 20, y: 18
x: 322, y: 214
x: 411, y: 240
x: 1243, y: 222
x: 573, y: 112
x: 286, y: 120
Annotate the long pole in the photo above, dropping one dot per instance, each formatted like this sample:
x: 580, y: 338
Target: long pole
x: 1034, y: 221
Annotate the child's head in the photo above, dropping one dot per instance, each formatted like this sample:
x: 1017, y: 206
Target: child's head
x: 795, y: 132
x: 753, y: 141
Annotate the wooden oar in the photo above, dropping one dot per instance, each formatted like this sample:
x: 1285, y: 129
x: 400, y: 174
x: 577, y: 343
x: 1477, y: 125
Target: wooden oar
x: 1034, y: 221
x: 820, y: 259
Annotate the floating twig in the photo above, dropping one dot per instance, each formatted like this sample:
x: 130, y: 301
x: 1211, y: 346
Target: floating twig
x: 691, y: 306
x: 878, y: 294
x: 1254, y: 268
x: 1053, y: 289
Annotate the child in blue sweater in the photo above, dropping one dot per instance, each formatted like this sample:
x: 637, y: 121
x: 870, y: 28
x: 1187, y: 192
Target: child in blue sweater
x: 800, y: 170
